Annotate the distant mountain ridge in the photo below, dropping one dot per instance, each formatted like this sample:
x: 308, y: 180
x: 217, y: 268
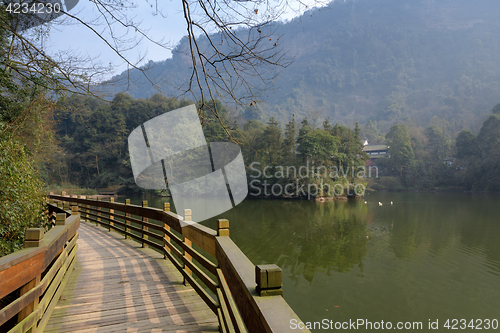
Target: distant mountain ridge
x: 421, y: 61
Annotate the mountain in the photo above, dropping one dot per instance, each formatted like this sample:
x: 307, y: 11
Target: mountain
x: 415, y: 61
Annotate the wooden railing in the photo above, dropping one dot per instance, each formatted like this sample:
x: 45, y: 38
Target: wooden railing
x: 32, y: 279
x: 245, y: 297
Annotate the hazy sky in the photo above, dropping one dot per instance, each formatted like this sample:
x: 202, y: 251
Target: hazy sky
x: 83, y: 41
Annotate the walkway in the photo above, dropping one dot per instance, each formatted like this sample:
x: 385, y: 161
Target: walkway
x: 117, y: 286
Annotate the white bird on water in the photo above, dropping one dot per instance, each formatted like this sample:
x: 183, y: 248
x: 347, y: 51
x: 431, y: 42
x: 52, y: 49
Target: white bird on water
x: 379, y: 203
x: 366, y: 202
x: 391, y: 202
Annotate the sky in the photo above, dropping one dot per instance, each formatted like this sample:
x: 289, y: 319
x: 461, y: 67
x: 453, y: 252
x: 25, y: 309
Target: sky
x: 169, y: 28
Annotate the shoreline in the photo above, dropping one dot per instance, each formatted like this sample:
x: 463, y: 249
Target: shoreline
x: 315, y: 198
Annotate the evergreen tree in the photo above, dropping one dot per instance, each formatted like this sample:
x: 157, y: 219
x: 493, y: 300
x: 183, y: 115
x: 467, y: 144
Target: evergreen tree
x: 466, y: 144
x: 437, y: 144
x: 289, y: 141
x: 400, y: 150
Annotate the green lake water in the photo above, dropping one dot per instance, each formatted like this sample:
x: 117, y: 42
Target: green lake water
x: 429, y: 256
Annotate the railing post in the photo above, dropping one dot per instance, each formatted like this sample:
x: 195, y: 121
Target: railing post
x: 98, y: 219
x: 144, y: 219
x: 60, y: 219
x: 166, y: 238
x: 111, y: 214
x: 66, y: 205
x: 269, y: 279
x: 84, y: 207
x: 33, y: 238
x: 74, y: 210
x: 222, y: 227
x: 187, y: 218
x: 127, y: 222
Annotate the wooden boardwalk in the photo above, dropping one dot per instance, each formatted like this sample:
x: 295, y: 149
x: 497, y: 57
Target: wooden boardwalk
x: 117, y: 286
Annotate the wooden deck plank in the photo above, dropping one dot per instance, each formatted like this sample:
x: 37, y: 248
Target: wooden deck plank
x: 117, y: 286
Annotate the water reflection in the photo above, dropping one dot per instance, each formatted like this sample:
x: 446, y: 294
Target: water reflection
x: 428, y: 256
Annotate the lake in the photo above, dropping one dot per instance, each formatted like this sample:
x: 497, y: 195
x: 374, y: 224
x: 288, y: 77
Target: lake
x: 429, y: 256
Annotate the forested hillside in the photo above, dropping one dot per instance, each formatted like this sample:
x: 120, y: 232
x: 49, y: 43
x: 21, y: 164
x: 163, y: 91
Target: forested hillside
x: 93, y: 135
x: 384, y: 61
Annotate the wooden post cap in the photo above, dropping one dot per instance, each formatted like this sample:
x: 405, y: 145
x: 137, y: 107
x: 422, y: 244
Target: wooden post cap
x: 66, y: 205
x: 187, y: 215
x: 34, y: 234
x: 127, y: 201
x: 63, y: 193
x: 222, y: 227
x: 60, y: 204
x: 111, y: 199
x: 51, y: 193
x: 144, y: 203
x: 166, y: 207
x: 33, y: 237
x: 269, y: 279
x: 60, y: 218
x: 74, y: 210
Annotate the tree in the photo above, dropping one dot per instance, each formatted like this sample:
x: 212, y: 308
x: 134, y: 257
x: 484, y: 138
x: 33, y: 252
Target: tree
x: 400, y: 151
x: 488, y: 138
x: 437, y: 144
x: 21, y: 197
x: 496, y: 109
x: 303, y: 131
x: 26, y: 135
x: 466, y: 144
x: 488, y: 141
x: 289, y: 140
x: 222, y: 55
x: 350, y: 146
x: 319, y: 146
x: 252, y: 132
x: 271, y: 141
x: 372, y: 133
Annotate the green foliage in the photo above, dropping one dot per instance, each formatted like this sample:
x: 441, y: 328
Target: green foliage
x: 94, y: 136
x: 376, y: 60
x: 466, y: 144
x: 21, y: 195
x: 388, y: 183
x: 496, y: 109
x: 212, y: 127
x: 26, y: 137
x: 487, y: 171
x: 476, y: 165
x: 400, y: 150
x: 289, y: 141
x: 318, y: 146
x: 270, y: 142
x: 488, y: 138
x: 322, y: 152
x: 437, y: 144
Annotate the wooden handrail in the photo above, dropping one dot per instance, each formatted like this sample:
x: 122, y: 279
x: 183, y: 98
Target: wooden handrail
x: 241, y: 304
x: 52, y: 256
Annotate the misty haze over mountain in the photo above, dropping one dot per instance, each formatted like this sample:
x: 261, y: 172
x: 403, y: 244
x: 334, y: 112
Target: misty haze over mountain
x: 425, y: 61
